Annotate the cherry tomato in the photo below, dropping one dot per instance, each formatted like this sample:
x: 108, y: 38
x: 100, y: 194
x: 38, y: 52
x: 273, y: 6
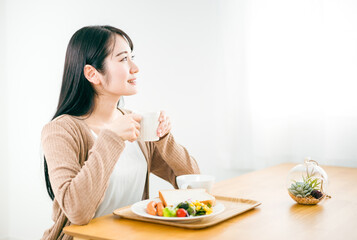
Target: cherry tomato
x: 181, y: 212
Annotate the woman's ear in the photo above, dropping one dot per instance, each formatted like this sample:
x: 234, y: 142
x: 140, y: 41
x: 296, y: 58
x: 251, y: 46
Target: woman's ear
x: 91, y: 74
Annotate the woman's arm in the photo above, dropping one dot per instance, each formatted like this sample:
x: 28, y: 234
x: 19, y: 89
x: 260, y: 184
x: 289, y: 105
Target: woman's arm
x: 169, y: 159
x: 79, y: 189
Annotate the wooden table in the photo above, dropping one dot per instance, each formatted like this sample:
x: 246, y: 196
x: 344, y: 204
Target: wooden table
x: 278, y: 217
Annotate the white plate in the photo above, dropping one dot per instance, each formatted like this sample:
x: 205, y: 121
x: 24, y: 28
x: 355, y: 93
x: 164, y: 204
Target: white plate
x: 139, y: 208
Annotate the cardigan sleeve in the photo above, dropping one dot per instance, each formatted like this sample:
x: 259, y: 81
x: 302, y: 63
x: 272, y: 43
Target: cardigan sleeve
x: 79, y: 189
x: 169, y: 160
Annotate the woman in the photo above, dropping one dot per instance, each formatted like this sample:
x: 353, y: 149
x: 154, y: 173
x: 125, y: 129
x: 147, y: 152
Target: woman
x: 93, y: 161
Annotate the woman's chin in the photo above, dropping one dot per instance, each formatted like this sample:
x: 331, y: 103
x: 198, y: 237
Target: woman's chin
x: 130, y: 93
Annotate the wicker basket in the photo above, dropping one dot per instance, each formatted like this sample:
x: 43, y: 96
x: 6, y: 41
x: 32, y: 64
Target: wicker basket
x: 310, y: 200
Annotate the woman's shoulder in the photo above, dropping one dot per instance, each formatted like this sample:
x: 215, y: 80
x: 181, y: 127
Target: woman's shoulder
x: 64, y: 122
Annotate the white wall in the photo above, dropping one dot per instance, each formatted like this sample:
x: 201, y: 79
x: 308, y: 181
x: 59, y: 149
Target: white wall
x: 4, y: 179
x: 289, y: 71
x: 234, y: 76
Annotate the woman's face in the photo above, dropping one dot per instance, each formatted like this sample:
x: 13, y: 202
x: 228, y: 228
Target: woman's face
x: 120, y: 70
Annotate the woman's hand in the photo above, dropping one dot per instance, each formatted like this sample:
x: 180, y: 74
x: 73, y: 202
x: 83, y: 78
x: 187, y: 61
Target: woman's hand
x: 164, y: 125
x: 126, y: 126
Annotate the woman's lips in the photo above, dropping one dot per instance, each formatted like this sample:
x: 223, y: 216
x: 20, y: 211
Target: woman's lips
x: 132, y: 81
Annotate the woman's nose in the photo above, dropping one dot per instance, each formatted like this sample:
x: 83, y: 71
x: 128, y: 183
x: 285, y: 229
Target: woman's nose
x: 133, y: 68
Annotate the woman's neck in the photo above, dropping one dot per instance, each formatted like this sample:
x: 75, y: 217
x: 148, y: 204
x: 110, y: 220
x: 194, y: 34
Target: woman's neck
x: 105, y: 111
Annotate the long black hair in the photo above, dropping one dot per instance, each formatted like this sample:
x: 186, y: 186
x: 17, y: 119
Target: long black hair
x: 89, y: 45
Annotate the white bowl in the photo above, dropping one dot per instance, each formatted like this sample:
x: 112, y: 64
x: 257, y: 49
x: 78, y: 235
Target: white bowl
x: 190, y: 181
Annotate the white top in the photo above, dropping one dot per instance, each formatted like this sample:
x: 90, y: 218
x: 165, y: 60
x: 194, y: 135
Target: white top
x: 127, y: 182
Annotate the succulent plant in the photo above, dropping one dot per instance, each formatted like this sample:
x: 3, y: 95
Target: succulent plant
x: 316, y: 194
x: 300, y: 189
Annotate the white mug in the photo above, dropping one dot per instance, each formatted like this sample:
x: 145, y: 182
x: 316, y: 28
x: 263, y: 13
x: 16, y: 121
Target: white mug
x: 195, y: 181
x: 148, y: 126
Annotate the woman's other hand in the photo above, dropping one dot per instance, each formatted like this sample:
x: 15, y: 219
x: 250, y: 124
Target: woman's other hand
x: 164, y: 125
x: 126, y: 126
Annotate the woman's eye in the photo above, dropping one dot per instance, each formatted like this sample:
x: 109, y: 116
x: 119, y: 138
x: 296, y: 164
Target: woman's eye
x: 126, y: 59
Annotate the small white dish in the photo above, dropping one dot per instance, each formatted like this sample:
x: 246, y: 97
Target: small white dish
x: 191, y: 181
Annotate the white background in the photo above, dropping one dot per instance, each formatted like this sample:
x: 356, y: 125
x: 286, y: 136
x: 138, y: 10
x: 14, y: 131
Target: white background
x: 247, y: 84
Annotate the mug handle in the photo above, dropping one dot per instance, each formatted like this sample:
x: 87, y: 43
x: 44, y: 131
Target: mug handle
x: 185, y: 186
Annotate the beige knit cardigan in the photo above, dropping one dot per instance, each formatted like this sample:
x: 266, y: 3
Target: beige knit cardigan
x: 80, y: 166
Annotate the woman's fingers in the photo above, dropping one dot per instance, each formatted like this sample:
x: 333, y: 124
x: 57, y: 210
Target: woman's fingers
x: 162, y: 116
x: 136, y: 124
x: 135, y: 135
x: 160, y: 129
x: 136, y: 117
x: 164, y: 126
x: 168, y: 127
